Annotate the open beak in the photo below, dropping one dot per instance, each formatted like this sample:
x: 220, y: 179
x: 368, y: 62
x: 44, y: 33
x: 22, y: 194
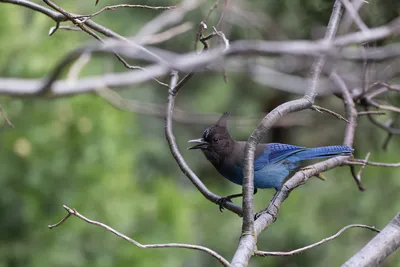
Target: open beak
x: 201, y: 144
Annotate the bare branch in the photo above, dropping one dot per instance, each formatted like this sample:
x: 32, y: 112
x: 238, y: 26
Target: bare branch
x: 348, y: 18
x: 75, y: 213
x: 362, y: 162
x: 393, y: 87
x: 165, y: 19
x: 354, y: 14
x: 67, y: 28
x: 77, y: 67
x: 300, y: 250
x: 351, y: 114
x: 114, y: 7
x: 3, y: 114
x: 187, y: 116
x: 322, y: 110
x: 174, y: 89
x: 57, y: 17
x: 371, y: 112
x: 379, y: 248
x: 358, y: 176
x: 168, y: 34
x: 248, y: 238
x: 384, y: 107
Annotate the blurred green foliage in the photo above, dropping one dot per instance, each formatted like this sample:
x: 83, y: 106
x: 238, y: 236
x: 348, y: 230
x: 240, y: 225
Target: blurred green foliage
x: 115, y: 167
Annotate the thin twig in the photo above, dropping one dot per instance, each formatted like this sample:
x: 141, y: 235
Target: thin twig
x: 77, y: 67
x: 387, y: 140
x: 168, y: 34
x: 62, y: 27
x: 363, y: 167
x: 321, y: 110
x: 75, y: 213
x: 82, y: 26
x: 384, y: 107
x: 362, y: 162
x: 371, y: 112
x: 351, y: 114
x: 300, y: 250
x: 221, y: 18
x: 214, y: 6
x: 392, y: 87
x: 114, y: 7
x: 3, y: 114
x: 51, y: 226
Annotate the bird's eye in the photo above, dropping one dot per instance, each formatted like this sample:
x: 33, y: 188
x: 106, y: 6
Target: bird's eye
x: 215, y: 139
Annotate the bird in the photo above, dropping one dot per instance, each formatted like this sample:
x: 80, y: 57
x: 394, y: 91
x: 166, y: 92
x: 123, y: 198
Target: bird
x: 273, y: 163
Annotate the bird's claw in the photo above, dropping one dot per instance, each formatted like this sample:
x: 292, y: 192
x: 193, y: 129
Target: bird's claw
x: 221, y: 202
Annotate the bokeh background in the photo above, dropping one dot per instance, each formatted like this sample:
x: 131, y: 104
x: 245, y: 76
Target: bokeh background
x: 115, y: 166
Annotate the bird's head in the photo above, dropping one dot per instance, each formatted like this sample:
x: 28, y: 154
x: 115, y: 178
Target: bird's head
x: 216, y: 138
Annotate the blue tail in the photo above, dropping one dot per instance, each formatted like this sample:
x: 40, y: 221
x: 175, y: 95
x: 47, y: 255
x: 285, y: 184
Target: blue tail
x: 324, y: 152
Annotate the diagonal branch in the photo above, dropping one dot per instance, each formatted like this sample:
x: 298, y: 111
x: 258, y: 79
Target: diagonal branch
x: 248, y: 239
x: 75, y: 213
x: 323, y: 241
x: 114, y: 7
x: 173, y: 91
x: 3, y: 114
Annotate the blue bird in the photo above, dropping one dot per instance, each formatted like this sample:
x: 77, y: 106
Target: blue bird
x: 273, y: 162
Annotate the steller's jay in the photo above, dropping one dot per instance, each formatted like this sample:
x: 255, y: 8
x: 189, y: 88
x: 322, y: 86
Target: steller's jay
x: 273, y: 162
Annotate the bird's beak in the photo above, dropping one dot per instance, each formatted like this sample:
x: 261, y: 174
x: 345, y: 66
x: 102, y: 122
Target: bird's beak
x: 201, y: 144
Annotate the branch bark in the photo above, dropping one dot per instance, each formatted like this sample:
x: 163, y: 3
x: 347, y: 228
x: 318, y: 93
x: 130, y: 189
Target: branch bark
x: 379, y: 248
x: 247, y: 241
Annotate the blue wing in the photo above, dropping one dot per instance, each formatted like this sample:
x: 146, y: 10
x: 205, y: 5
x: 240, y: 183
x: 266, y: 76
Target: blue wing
x: 275, y: 152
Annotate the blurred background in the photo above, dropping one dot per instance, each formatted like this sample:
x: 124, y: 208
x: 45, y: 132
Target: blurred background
x: 115, y: 166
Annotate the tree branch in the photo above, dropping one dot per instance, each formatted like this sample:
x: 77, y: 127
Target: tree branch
x: 247, y: 241
x: 3, y: 114
x: 379, y: 248
x: 114, y: 7
x: 323, y: 241
x: 352, y: 115
x: 173, y: 91
x: 75, y: 213
x: 187, y: 116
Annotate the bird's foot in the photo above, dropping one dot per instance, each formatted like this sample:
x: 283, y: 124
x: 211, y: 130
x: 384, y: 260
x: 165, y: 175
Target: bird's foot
x: 221, y: 202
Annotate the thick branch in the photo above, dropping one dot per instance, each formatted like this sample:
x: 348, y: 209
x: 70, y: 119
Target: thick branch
x: 248, y: 239
x: 379, y: 248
